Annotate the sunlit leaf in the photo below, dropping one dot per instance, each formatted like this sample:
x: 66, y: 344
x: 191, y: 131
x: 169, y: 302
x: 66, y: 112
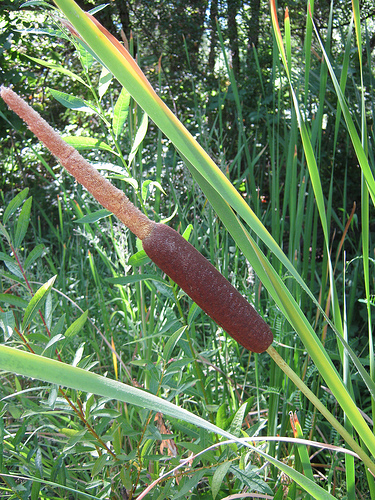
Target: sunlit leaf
x: 23, y: 223
x: 81, y: 143
x: 73, y: 102
x: 58, y: 68
x: 139, y: 136
x: 37, y: 302
x: 105, y: 79
x: 120, y: 112
x: 77, y: 326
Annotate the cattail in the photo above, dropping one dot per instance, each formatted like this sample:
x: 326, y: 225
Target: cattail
x: 165, y: 247
x: 106, y: 193
x: 207, y: 287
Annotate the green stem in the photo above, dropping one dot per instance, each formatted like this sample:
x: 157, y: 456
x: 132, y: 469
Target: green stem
x: 323, y: 410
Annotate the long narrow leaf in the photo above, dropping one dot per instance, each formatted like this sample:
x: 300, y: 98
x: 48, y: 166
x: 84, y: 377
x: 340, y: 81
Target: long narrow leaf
x: 290, y: 308
x: 356, y: 141
x: 37, y: 302
x: 23, y: 223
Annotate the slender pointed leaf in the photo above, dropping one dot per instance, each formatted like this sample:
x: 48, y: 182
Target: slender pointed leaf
x: 14, y: 204
x: 120, y: 112
x: 58, y: 67
x: 22, y: 223
x: 73, y: 102
x: 81, y: 143
x: 37, y: 302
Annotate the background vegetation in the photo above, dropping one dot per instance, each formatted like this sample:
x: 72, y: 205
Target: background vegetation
x: 64, y: 444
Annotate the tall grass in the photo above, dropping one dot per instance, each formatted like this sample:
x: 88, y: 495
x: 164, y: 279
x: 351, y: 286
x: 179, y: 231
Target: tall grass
x: 110, y: 313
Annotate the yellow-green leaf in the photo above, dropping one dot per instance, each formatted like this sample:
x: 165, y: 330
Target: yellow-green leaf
x: 37, y: 302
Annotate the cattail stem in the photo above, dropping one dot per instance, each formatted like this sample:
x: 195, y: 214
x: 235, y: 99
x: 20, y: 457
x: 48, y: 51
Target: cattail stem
x: 106, y: 193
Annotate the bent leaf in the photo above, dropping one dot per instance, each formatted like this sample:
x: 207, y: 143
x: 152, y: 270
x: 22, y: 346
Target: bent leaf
x: 57, y: 67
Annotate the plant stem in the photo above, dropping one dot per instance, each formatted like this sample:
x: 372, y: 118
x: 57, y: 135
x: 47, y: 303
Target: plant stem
x: 323, y: 410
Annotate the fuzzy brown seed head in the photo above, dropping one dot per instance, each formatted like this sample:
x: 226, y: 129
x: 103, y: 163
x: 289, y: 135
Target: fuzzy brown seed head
x: 207, y: 287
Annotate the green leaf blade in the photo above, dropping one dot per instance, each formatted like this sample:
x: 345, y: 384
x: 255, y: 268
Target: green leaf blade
x: 37, y: 302
x: 14, y: 204
x: 80, y: 143
x: 94, y: 217
x: 73, y: 102
x: 120, y: 112
x: 77, y: 326
x: 13, y: 300
x: 23, y: 223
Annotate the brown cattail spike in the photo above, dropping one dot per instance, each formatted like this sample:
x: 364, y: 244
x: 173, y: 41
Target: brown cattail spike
x: 207, y: 287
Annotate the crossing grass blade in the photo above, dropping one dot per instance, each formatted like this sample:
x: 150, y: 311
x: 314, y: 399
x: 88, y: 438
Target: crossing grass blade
x: 314, y: 174
x: 283, y: 298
